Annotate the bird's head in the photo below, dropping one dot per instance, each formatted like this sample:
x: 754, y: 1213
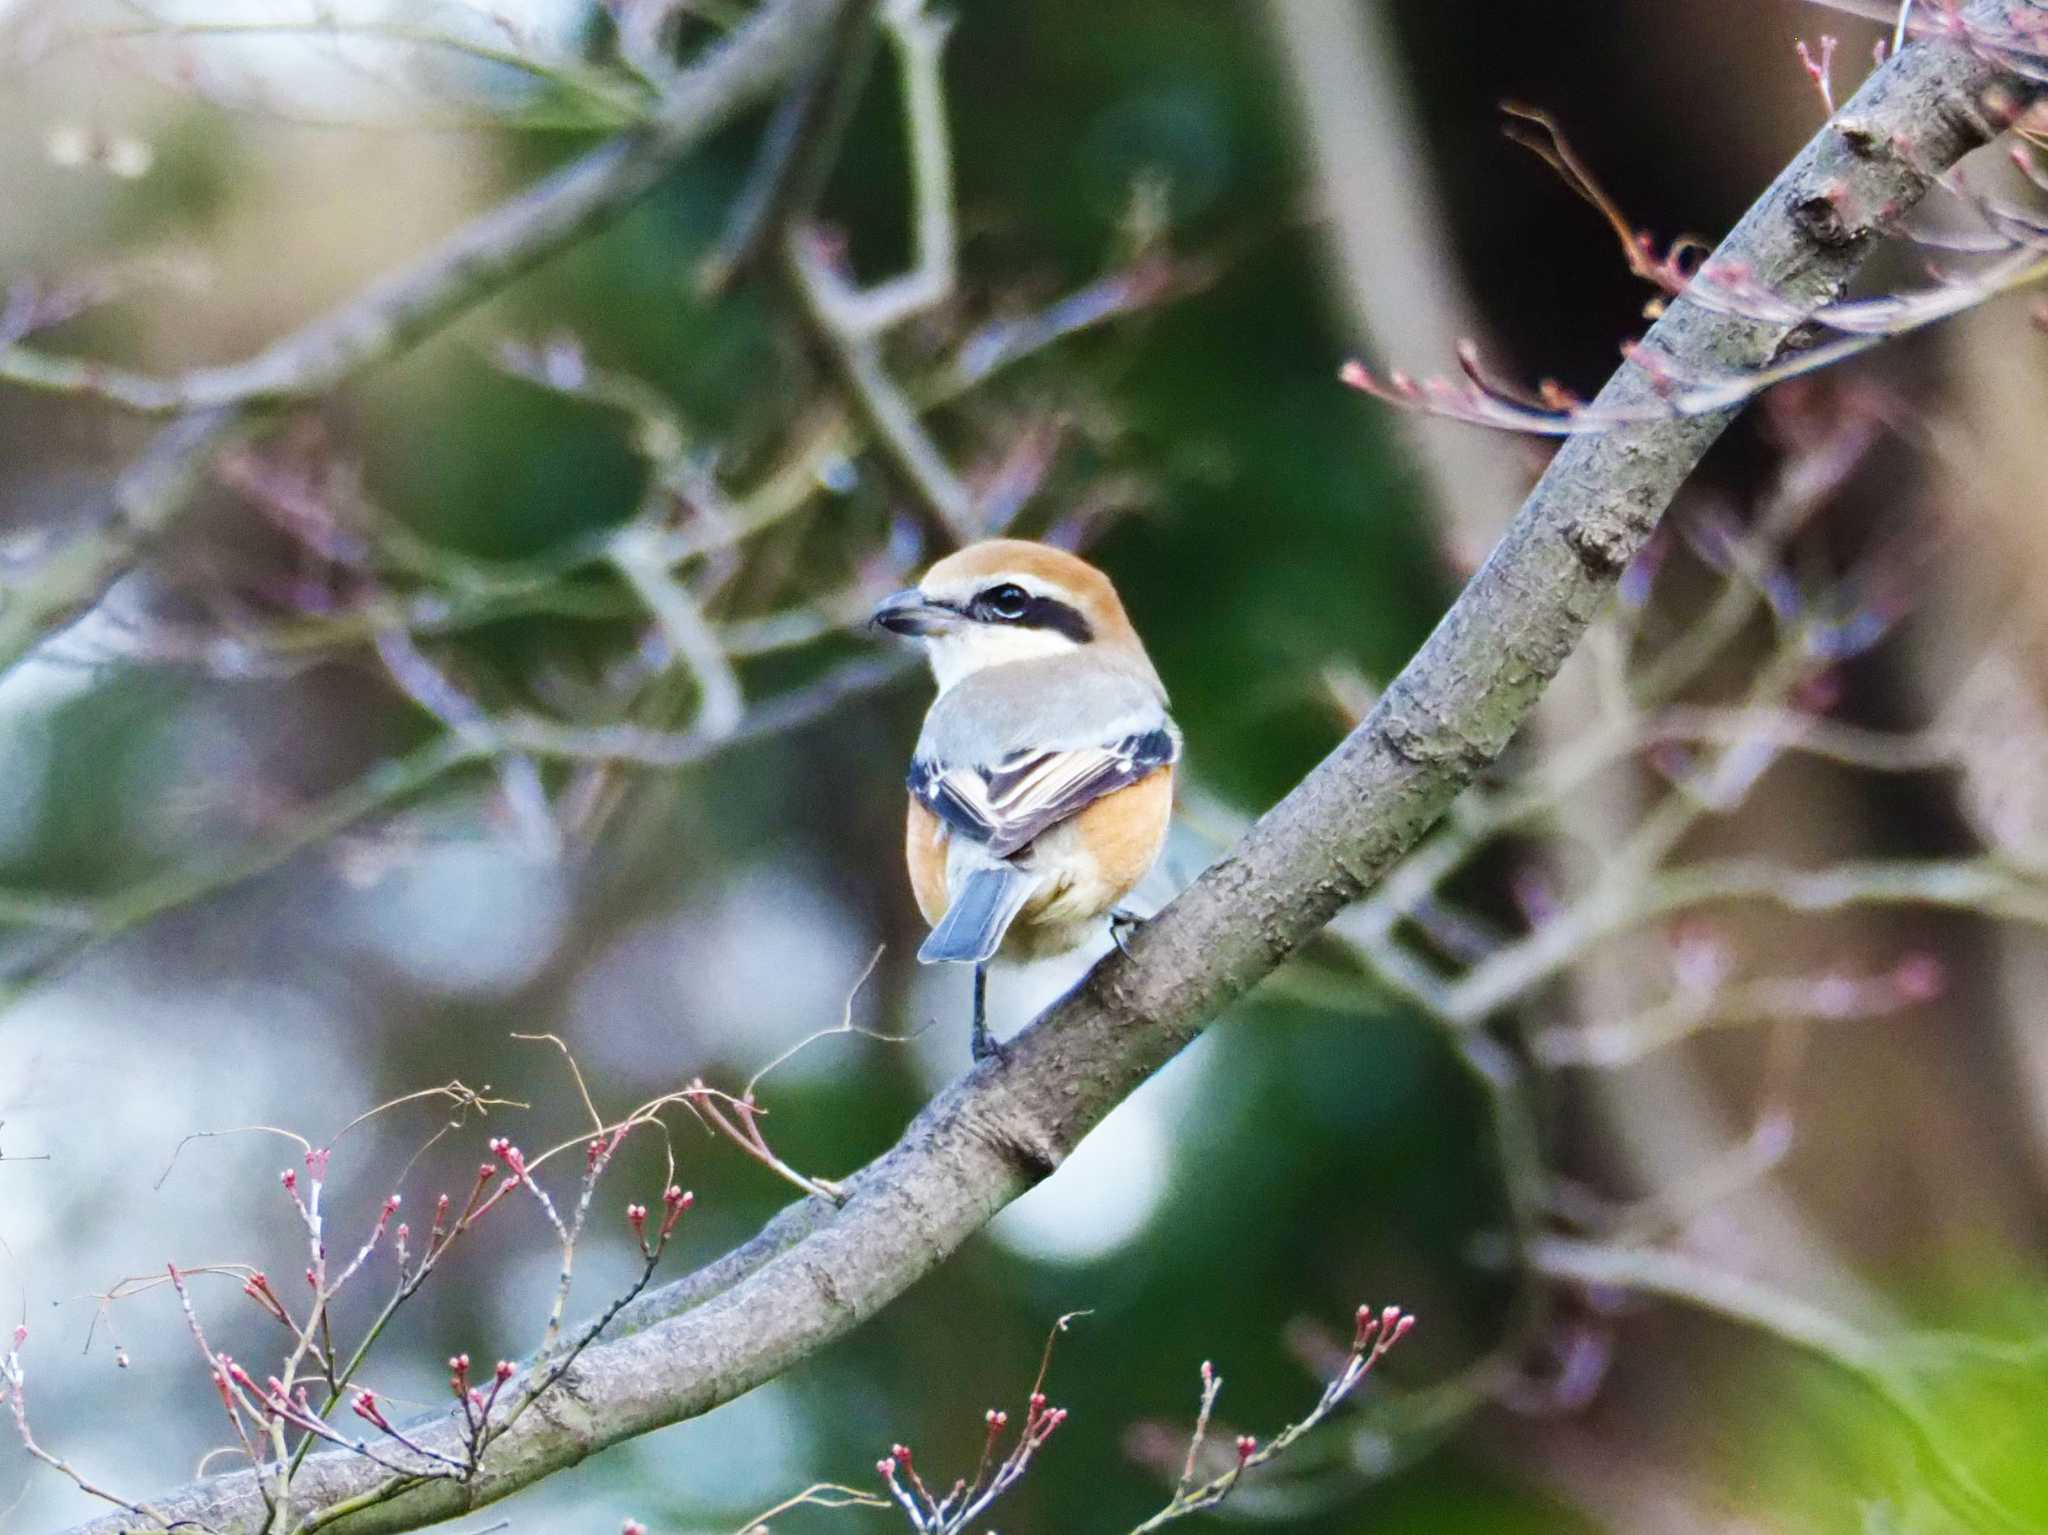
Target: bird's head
x: 1008, y: 599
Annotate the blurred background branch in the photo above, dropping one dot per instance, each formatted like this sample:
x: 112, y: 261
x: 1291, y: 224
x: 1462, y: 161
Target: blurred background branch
x: 390, y: 315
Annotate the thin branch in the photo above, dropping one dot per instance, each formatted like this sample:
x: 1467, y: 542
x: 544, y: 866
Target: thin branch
x: 1983, y: 884
x: 795, y: 156
x: 387, y: 317
x: 691, y: 638
x: 92, y: 922
x: 849, y: 322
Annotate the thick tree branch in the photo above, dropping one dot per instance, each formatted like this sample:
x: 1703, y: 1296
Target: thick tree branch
x: 388, y: 316
x: 816, y: 1273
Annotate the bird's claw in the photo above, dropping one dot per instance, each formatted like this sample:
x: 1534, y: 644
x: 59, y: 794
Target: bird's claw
x: 984, y: 1046
x: 1122, y: 924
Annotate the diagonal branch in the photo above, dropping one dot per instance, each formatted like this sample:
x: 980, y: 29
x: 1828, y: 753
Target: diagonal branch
x: 816, y: 1273
x: 385, y: 318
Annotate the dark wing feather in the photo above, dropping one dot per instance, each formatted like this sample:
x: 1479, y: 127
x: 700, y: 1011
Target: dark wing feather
x: 1008, y: 805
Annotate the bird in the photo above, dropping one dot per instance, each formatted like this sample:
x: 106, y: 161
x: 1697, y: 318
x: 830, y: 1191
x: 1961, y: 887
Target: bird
x: 1041, y: 785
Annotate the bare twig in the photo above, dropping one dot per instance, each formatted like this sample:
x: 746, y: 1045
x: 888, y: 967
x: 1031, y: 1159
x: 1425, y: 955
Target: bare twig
x: 849, y: 322
x: 387, y: 317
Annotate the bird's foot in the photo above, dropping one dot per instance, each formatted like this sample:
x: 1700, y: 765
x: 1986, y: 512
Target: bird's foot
x: 984, y: 1046
x: 1122, y: 923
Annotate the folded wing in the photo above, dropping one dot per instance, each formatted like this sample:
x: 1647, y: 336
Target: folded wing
x: 1007, y: 805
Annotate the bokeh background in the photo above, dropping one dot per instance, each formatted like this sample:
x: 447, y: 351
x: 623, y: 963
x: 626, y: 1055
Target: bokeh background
x: 1321, y: 179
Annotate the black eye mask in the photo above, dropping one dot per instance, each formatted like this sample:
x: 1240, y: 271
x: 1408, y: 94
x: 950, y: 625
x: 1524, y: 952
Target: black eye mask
x: 1009, y: 603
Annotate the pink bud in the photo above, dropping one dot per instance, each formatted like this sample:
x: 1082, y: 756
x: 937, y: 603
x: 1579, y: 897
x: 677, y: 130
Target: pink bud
x: 633, y: 1527
x: 901, y: 1452
x: 1247, y: 1447
x: 20, y: 1334
x: 886, y: 1468
x: 289, y: 1178
x: 504, y: 1370
x: 674, y: 1201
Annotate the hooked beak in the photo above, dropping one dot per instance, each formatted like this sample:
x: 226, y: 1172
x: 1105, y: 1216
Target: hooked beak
x: 911, y: 613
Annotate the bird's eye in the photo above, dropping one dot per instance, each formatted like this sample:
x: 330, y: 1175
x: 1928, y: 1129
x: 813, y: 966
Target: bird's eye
x: 1008, y: 601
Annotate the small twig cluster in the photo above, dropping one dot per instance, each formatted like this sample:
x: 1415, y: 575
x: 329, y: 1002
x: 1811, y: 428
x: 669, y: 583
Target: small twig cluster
x: 1373, y: 1335
x: 14, y: 1392
x: 1783, y: 625
x: 2007, y: 248
x: 994, y: 1474
x: 999, y: 1469
x: 276, y: 1417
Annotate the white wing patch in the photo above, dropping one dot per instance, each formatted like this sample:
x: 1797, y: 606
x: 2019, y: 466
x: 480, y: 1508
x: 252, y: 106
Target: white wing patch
x: 1009, y: 805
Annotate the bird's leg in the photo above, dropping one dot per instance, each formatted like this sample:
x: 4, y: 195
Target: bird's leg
x: 1122, y: 922
x: 981, y: 1043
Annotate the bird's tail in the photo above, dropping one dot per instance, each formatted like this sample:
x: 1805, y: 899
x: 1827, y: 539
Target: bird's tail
x: 976, y: 919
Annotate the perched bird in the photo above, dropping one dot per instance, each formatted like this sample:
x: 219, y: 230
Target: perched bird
x: 1042, y: 782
